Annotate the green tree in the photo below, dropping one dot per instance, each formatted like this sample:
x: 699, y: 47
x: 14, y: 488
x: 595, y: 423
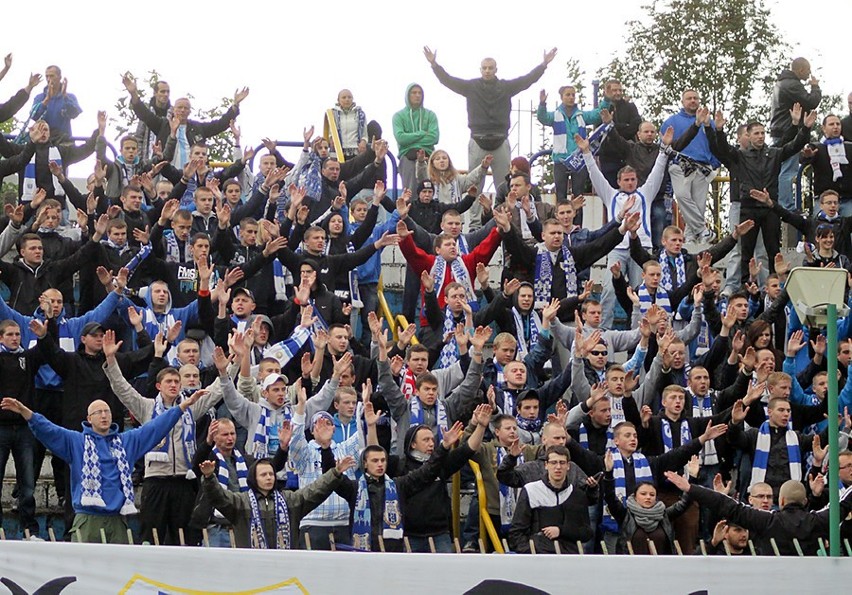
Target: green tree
x: 730, y: 52
x: 125, y: 121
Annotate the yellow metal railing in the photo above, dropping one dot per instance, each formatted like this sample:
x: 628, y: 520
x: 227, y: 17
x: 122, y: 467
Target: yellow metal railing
x: 385, y: 311
x: 486, y: 527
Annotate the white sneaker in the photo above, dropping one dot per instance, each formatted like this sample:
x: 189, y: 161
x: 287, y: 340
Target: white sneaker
x: 33, y: 538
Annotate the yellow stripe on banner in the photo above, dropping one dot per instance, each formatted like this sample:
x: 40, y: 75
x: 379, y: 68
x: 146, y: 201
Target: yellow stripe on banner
x: 332, y: 134
x: 139, y: 584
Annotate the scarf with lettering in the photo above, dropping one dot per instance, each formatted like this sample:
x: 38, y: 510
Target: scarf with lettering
x: 544, y: 274
x: 362, y: 526
x: 836, y: 155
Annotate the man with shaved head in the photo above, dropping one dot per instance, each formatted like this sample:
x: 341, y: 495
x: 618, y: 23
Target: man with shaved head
x: 101, y: 460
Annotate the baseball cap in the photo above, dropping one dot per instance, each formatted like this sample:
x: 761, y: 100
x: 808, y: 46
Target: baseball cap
x: 91, y: 328
x: 272, y: 379
x: 321, y: 415
x: 242, y: 290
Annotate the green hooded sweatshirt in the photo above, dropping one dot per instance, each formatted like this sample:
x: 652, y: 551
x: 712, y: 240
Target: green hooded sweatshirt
x: 415, y: 128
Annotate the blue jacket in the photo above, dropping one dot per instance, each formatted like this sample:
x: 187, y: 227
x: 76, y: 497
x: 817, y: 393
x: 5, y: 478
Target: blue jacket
x: 341, y: 433
x: 369, y: 271
x: 70, y: 330
x: 156, y: 322
x: 58, y: 112
x: 698, y: 149
x: 68, y: 445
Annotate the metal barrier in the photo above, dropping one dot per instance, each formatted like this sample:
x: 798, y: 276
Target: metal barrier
x: 12, y: 137
x: 385, y: 310
x: 486, y: 527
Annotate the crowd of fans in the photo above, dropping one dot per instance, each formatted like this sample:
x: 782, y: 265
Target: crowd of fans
x: 232, y: 315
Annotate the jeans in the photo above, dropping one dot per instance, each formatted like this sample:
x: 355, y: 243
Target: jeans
x: 319, y: 536
x: 218, y: 536
x: 579, y: 184
x: 786, y: 179
x: 20, y: 442
x: 443, y: 544
x: 634, y: 277
x: 499, y: 169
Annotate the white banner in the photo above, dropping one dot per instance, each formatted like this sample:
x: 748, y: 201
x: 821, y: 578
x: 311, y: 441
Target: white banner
x: 70, y: 568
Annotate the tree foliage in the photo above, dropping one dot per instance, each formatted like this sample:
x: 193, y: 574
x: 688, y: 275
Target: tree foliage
x: 220, y: 146
x: 730, y: 52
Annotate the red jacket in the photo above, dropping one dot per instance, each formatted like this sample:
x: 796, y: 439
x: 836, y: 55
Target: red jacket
x: 421, y: 261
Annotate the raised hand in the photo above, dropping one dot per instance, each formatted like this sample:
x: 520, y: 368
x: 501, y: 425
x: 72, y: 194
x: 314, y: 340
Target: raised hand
x: 743, y: 228
x: 721, y: 486
x: 345, y: 464
x: 739, y: 412
x: 431, y: 56
x: 240, y: 95
x: 111, y: 347
x: 452, y: 434
x: 761, y: 196
x: 402, y: 230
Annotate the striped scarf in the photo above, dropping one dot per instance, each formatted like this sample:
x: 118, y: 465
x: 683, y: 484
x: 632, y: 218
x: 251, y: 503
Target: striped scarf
x: 224, y: 476
x: 362, y: 526
x: 160, y: 452
x: 661, y: 298
x: 29, y: 185
x: 641, y: 471
x: 282, y: 522
x: 418, y: 415
x: 92, y: 495
x: 544, y: 274
x: 703, y: 407
x: 761, y: 455
x: 668, y: 440
x: 459, y: 273
x: 666, y: 282
x: 181, y: 157
x: 508, y: 497
x: 173, y: 251
x: 534, y: 324
x: 450, y: 351
x: 265, y: 431
x: 501, y: 378
x: 463, y: 247
x: 584, y: 437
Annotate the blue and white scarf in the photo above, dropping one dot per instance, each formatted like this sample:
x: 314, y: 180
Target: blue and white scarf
x: 544, y: 275
x: 459, y: 273
x: 641, y: 471
x: 532, y: 426
x: 160, y: 452
x: 761, y: 455
x: 173, y: 251
x: 534, y: 324
x: 4, y: 349
x: 120, y: 249
x: 92, y: 495
x: 668, y: 441
x: 320, y: 324
x: 508, y: 496
x: 29, y: 186
x: 282, y: 522
x: 666, y: 281
x: 450, y: 351
x: 418, y: 415
x: 127, y: 170
x: 836, y: 155
x: 661, y: 299
x: 279, y: 280
x: 222, y: 473
x: 362, y: 527
x: 501, y: 377
x: 264, y: 432
x: 463, y: 247
x: 181, y: 157
x: 702, y: 407
x: 584, y: 437
x: 575, y: 161
x: 137, y: 259
x: 354, y: 292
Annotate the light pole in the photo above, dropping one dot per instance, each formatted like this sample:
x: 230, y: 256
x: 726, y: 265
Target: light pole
x: 817, y: 295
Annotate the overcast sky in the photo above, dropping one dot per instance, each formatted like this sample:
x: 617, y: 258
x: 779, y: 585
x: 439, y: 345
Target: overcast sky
x: 296, y: 61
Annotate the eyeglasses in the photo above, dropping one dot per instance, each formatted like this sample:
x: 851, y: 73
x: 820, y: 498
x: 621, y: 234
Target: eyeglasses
x: 99, y: 412
x: 598, y: 352
x: 762, y: 496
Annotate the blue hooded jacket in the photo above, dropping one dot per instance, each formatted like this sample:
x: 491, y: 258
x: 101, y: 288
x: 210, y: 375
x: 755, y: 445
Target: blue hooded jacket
x: 699, y: 148
x: 70, y: 330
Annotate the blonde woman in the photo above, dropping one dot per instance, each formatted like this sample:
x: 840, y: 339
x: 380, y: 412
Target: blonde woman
x: 450, y: 186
